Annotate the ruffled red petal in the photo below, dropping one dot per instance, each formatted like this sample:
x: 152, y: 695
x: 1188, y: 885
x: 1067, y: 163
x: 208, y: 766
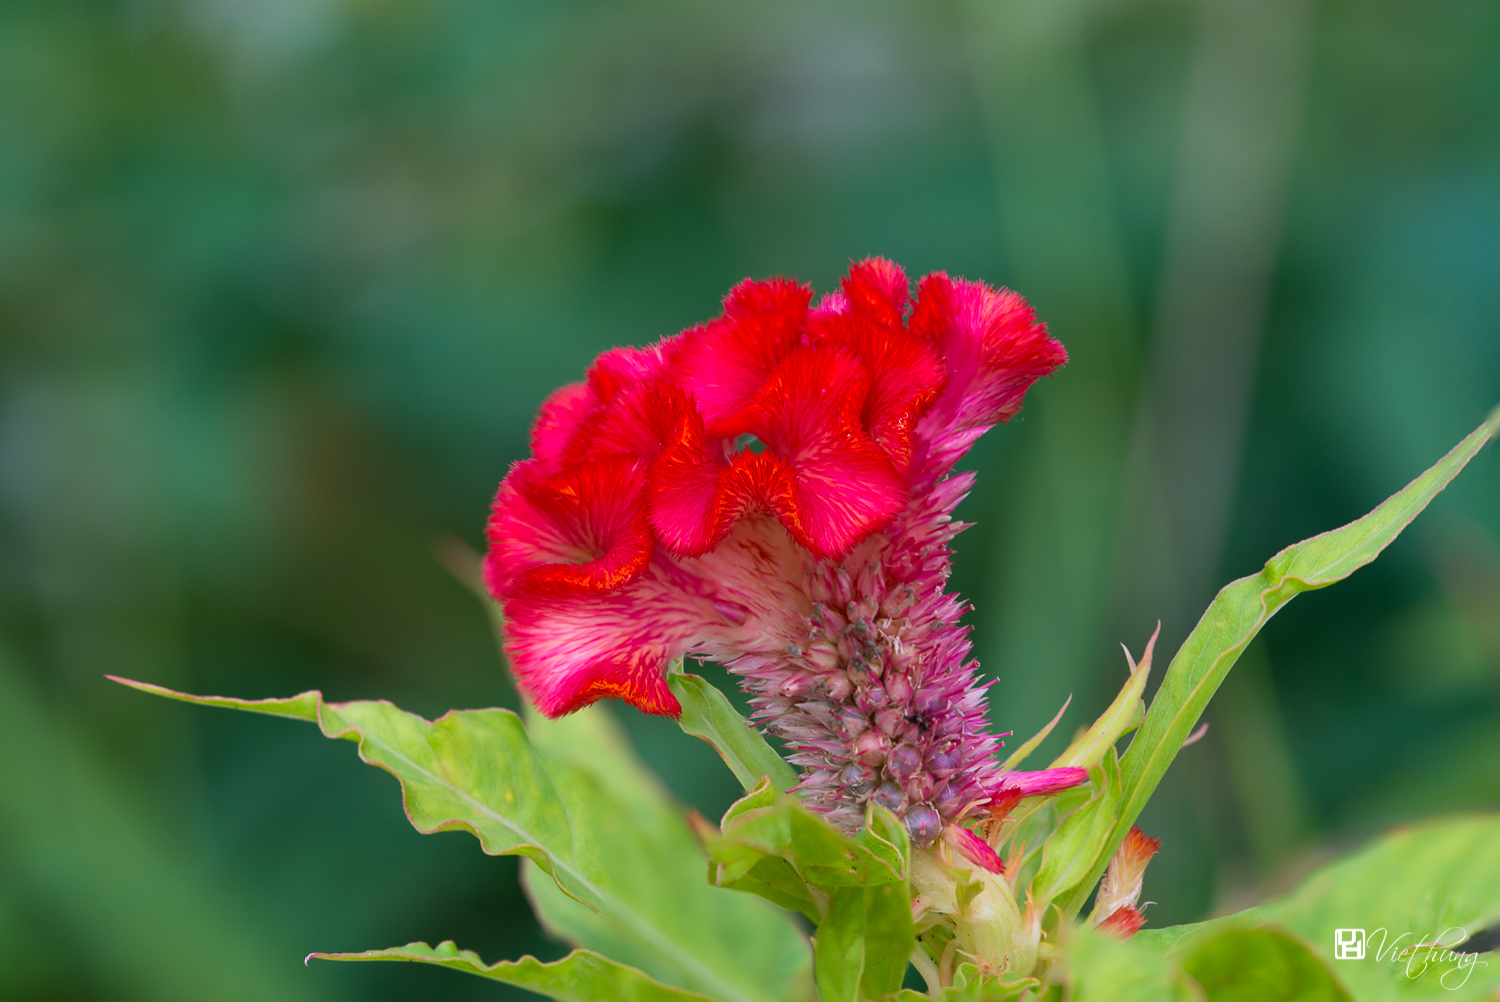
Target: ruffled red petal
x: 906, y: 377
x: 583, y: 530
x: 644, y: 467
x: 723, y: 363
x: 809, y: 415
x: 991, y: 342
x: 558, y: 420
x: 876, y: 288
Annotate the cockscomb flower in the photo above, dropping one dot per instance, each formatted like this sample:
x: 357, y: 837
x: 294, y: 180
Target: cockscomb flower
x: 773, y: 490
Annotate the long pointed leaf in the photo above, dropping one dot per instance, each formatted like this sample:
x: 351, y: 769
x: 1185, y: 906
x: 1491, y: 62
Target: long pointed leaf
x: 581, y: 976
x: 707, y: 714
x: 477, y: 771
x: 1239, y: 612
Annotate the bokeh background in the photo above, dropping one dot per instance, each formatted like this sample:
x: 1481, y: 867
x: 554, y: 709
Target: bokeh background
x: 283, y: 281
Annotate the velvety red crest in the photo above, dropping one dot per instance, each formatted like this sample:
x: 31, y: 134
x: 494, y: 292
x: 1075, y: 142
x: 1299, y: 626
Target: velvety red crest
x: 877, y: 289
x: 993, y: 347
x: 622, y: 368
x: 558, y: 419
x: 724, y: 362
x: 640, y: 420
x: 809, y: 414
x: 934, y: 309
x: 906, y: 378
x: 583, y: 530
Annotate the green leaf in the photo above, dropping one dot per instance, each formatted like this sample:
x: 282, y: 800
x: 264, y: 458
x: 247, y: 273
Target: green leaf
x: 629, y: 862
x: 581, y: 976
x: 889, y: 938
x: 863, y: 942
x: 1070, y: 853
x: 839, y: 946
x: 1125, y: 712
x: 970, y: 986
x: 1436, y: 881
x: 774, y: 879
x: 1104, y: 969
x: 1014, y: 760
x: 764, y: 823
x: 1261, y: 965
x: 707, y: 714
x: 1237, y: 615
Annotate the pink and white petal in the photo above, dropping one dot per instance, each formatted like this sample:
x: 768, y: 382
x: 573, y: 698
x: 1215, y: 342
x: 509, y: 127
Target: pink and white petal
x: 570, y: 650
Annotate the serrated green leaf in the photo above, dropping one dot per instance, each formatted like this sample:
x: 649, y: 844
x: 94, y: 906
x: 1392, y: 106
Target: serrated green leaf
x: 1237, y: 615
x: 581, y: 976
x: 1419, y: 882
x: 135, y: 898
x: 774, y: 879
x: 707, y: 714
x: 629, y: 863
x: 593, y: 742
x: 1261, y: 965
x: 1410, y: 886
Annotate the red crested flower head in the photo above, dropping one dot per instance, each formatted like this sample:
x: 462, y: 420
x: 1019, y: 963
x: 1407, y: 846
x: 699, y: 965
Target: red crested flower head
x: 772, y: 490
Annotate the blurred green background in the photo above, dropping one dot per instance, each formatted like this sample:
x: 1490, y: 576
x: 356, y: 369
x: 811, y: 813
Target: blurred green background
x: 283, y: 281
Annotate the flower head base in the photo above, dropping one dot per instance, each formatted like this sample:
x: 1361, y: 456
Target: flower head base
x: 772, y: 490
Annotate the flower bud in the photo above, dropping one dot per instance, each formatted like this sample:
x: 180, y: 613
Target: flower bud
x: 890, y: 719
x: 890, y: 796
x: 903, y: 763
x: 923, y: 824
x: 871, y: 747
x: 945, y: 762
x: 837, y: 685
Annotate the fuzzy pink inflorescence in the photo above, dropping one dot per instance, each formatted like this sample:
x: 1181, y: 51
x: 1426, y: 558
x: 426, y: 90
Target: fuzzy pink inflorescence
x: 773, y: 490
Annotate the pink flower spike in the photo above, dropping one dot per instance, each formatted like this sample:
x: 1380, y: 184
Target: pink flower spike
x: 973, y: 848
x: 773, y: 491
x: 1035, y: 784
